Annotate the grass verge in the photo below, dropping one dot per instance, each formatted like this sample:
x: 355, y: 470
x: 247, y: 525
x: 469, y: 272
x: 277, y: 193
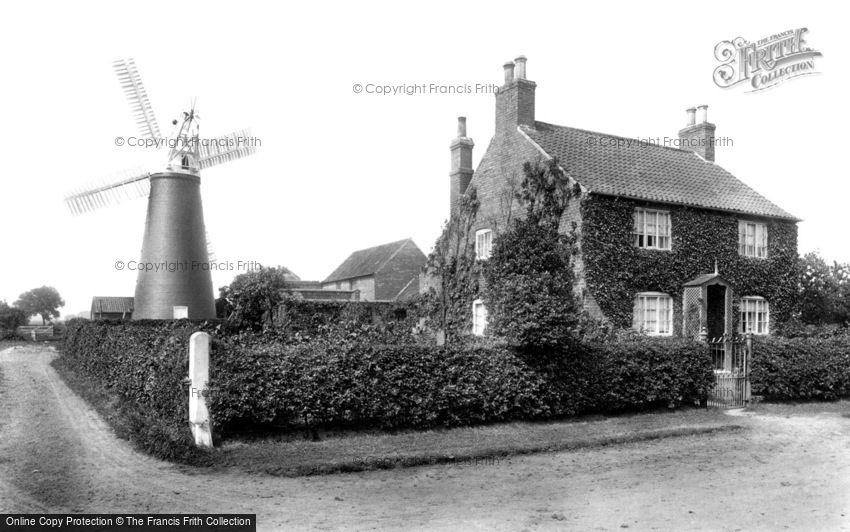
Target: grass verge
x: 363, y: 451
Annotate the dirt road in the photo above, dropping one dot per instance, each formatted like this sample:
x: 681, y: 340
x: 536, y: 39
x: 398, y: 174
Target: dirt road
x: 783, y: 472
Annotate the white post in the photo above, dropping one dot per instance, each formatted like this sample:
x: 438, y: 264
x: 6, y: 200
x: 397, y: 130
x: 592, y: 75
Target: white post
x: 199, y: 373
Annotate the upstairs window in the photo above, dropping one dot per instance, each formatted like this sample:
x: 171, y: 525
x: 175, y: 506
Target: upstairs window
x: 483, y: 244
x: 755, y: 315
x: 652, y: 229
x: 479, y: 317
x: 653, y: 314
x: 752, y: 239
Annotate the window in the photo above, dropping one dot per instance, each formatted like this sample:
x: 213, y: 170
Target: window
x: 652, y: 229
x: 755, y: 315
x: 752, y: 239
x: 180, y: 312
x: 479, y: 318
x: 653, y: 314
x: 483, y: 243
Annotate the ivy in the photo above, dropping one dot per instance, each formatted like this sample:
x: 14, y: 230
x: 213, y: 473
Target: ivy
x: 616, y: 270
x: 453, y: 274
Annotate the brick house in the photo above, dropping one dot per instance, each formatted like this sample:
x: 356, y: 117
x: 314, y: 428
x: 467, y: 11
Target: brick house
x: 389, y: 272
x: 667, y: 241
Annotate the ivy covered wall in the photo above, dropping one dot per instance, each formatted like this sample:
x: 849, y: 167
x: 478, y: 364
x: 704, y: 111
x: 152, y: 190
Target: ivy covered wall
x: 615, y: 270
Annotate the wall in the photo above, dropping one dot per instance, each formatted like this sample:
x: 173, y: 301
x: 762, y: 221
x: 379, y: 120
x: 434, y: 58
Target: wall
x: 366, y: 286
x: 615, y: 270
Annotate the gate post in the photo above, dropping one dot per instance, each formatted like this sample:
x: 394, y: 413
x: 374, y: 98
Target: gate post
x: 199, y: 373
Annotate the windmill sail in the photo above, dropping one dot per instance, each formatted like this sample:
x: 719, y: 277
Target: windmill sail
x: 137, y: 96
x: 227, y: 148
x: 127, y: 185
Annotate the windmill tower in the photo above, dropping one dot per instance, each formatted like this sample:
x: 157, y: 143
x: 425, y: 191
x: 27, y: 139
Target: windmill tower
x: 174, y: 237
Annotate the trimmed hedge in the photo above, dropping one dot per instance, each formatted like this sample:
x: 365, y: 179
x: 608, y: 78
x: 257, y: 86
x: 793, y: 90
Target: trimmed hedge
x: 803, y: 368
x: 145, y: 364
x: 423, y: 386
x: 350, y: 381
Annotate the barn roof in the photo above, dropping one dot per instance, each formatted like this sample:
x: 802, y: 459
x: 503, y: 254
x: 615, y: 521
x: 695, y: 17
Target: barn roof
x: 112, y: 304
x: 648, y: 171
x: 367, y: 261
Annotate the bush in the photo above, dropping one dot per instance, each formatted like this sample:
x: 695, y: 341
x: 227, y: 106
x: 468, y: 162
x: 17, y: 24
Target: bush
x: 346, y: 379
x: 803, y: 368
x: 145, y: 364
x: 298, y: 320
x: 254, y: 381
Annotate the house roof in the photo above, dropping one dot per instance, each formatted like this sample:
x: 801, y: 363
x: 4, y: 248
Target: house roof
x: 365, y: 262
x: 648, y: 171
x: 112, y: 304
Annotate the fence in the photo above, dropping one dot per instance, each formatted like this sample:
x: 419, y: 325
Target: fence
x: 730, y: 356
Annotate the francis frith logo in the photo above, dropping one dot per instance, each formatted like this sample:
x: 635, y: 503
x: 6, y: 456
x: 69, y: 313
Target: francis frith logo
x: 764, y: 63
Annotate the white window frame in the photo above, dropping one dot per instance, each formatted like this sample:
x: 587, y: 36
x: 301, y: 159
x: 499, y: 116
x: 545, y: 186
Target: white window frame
x: 479, y: 323
x: 752, y: 239
x: 483, y: 244
x: 656, y: 235
x: 759, y: 308
x: 646, y: 302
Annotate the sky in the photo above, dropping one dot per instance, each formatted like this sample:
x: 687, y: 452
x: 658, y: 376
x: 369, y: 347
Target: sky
x: 339, y: 170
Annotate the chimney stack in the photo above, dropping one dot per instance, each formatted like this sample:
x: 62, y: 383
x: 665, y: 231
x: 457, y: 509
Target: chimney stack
x: 698, y: 133
x: 509, y: 72
x: 461, y: 172
x: 691, y: 116
x: 515, y: 99
x: 519, y: 72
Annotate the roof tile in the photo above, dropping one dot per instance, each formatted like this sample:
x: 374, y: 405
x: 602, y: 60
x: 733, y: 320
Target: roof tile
x: 650, y: 172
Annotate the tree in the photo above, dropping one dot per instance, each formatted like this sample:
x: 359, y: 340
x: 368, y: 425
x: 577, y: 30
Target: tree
x: 11, y: 317
x: 528, y: 277
x: 44, y: 301
x: 253, y: 296
x: 824, y: 291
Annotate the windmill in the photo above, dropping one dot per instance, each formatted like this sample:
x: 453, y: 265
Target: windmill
x: 174, y: 237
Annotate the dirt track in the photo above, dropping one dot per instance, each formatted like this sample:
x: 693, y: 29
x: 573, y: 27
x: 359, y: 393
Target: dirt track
x: 784, y: 472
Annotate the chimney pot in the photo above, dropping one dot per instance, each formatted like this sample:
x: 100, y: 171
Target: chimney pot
x: 519, y: 73
x: 509, y: 72
x: 691, y: 116
x: 461, y: 126
x: 703, y: 114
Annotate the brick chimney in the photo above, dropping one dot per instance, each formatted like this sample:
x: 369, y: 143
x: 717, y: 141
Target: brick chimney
x: 515, y: 99
x: 461, y: 174
x: 698, y: 134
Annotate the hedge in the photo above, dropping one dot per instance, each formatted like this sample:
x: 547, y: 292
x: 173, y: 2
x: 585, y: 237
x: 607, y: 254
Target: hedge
x: 803, y: 368
x: 395, y: 386
x: 260, y: 380
x: 144, y: 364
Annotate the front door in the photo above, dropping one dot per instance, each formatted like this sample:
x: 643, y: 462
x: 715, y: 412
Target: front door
x: 716, y: 311
x: 716, y: 324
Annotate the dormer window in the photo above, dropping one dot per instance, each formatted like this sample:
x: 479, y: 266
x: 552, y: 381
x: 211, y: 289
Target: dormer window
x: 752, y: 239
x: 652, y: 229
x: 483, y: 244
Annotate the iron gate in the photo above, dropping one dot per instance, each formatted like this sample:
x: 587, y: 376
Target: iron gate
x: 730, y: 356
